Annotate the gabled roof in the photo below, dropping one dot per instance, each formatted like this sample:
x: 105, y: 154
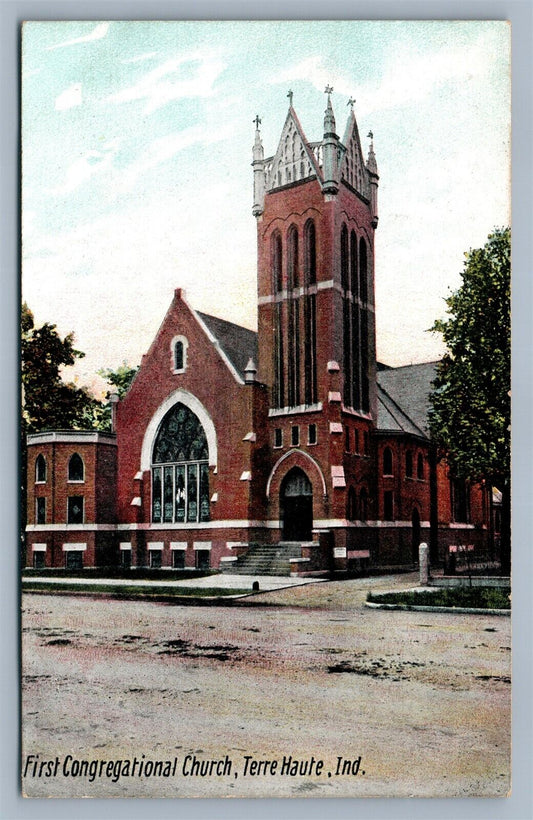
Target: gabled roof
x: 238, y: 343
x: 407, y: 389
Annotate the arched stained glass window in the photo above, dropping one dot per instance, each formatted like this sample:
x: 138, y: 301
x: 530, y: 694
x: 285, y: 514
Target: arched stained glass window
x: 275, y: 255
x: 180, y: 472
x: 75, y: 468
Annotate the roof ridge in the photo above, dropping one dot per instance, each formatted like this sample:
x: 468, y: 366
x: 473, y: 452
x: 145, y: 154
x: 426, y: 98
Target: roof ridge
x: 396, y: 405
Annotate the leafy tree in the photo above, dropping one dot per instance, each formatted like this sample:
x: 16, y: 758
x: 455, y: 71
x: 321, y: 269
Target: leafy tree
x: 471, y: 407
x: 48, y: 402
x: 120, y: 381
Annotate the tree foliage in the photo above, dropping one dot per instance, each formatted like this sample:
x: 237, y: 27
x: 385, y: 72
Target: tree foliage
x: 471, y: 408
x: 48, y: 401
x: 120, y: 381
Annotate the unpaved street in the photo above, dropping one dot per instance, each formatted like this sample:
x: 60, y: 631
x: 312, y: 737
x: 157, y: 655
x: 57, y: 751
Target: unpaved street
x: 423, y: 698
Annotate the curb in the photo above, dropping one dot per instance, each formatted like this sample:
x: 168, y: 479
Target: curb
x: 453, y: 610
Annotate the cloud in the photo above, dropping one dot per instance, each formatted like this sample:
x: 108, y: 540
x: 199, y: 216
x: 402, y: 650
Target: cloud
x: 88, y: 165
x: 96, y: 34
x: 409, y: 79
x: 69, y: 98
x: 149, y: 55
x: 160, y: 85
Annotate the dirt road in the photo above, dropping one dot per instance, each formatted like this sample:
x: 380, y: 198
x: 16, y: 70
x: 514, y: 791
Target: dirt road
x: 423, y: 699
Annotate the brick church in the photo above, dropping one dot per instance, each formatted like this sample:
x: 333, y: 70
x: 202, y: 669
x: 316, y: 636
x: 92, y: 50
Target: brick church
x: 292, y: 442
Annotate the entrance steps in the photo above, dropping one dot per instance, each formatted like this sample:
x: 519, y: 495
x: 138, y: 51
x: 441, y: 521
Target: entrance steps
x: 265, y: 559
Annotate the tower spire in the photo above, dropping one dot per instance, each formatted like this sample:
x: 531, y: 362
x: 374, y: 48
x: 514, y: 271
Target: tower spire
x: 330, y: 149
x: 259, y: 170
x: 372, y: 168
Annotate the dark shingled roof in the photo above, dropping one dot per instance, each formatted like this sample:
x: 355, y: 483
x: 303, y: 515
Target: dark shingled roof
x: 238, y: 343
x: 407, y: 389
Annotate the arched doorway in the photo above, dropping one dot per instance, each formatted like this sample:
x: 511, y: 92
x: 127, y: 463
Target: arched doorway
x: 415, y: 534
x: 296, y: 504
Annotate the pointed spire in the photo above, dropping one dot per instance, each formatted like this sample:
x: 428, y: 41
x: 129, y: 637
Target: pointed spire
x: 330, y: 149
x: 290, y: 96
x: 371, y: 163
x: 250, y: 372
x: 329, y: 117
x: 259, y: 170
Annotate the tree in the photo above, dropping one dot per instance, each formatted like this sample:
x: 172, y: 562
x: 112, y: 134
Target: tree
x: 471, y: 407
x: 120, y: 379
x: 48, y: 402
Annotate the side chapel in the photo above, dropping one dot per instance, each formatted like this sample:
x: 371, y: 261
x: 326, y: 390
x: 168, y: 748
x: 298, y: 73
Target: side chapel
x: 286, y: 450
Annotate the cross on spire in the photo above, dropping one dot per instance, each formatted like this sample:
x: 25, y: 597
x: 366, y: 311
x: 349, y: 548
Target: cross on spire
x: 257, y: 121
x: 351, y: 102
x: 328, y: 90
x: 290, y: 96
x: 371, y: 135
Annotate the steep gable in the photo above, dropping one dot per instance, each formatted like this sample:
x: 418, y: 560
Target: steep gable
x: 353, y: 168
x: 294, y: 160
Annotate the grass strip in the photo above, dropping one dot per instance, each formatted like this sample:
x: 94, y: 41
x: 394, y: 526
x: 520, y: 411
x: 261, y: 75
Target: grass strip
x: 134, y: 591
x: 471, y: 597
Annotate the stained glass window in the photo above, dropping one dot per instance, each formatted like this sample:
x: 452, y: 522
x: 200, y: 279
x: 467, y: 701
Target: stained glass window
x: 180, y: 472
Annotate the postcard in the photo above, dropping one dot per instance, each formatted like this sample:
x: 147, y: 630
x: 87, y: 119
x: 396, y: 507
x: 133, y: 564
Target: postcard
x: 265, y: 372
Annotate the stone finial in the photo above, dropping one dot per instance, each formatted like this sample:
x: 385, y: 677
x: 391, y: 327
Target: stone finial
x: 250, y: 372
x: 290, y: 96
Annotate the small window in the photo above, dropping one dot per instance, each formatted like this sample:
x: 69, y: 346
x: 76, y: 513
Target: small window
x: 178, y: 356
x: 202, y: 559
x: 40, y: 510
x: 356, y: 441
x: 38, y: 559
x: 74, y: 559
x: 295, y: 435
x: 178, y: 559
x: 409, y: 464
x: 278, y: 437
x: 311, y: 437
x: 420, y: 466
x: 75, y: 468
x: 366, y: 445
x: 347, y: 439
x: 387, y: 461
x: 125, y: 559
x: 178, y: 348
x: 388, y: 506
x: 40, y: 469
x: 155, y: 559
x: 75, y: 509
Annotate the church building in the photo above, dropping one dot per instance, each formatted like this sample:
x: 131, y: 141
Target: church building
x: 289, y: 450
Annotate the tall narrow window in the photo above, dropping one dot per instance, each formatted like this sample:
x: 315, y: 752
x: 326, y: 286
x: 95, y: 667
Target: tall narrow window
x: 460, y: 501
x: 363, y: 272
x: 275, y: 261
x: 344, y: 258
x: 178, y: 356
x: 293, y: 340
x: 40, y: 469
x: 363, y: 505
x: 75, y: 468
x: 409, y: 464
x: 40, y: 510
x: 310, y: 384
x: 387, y: 461
x: 352, y: 505
x: 353, y: 264
x: 420, y: 466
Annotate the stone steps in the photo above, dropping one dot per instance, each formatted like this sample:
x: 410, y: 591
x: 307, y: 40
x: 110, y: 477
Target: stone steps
x: 262, y: 559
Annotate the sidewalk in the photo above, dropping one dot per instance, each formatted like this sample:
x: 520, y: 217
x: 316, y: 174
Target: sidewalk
x: 266, y: 582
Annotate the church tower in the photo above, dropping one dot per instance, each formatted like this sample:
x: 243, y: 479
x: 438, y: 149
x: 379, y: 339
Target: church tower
x: 316, y: 209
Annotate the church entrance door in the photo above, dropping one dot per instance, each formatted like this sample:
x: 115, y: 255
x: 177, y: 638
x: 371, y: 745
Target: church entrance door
x: 296, y: 502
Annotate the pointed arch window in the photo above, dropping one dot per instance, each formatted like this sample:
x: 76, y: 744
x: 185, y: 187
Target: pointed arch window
x: 310, y: 369
x: 180, y: 472
x: 178, y: 352
x: 310, y: 252
x: 344, y: 257
x: 353, y: 264
x: 40, y: 469
x: 292, y: 258
x: 76, y: 468
x: 363, y: 271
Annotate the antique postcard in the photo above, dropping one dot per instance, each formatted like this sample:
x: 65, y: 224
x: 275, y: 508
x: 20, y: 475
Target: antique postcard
x: 265, y: 545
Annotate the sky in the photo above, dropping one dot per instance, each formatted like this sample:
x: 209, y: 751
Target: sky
x: 137, y: 147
